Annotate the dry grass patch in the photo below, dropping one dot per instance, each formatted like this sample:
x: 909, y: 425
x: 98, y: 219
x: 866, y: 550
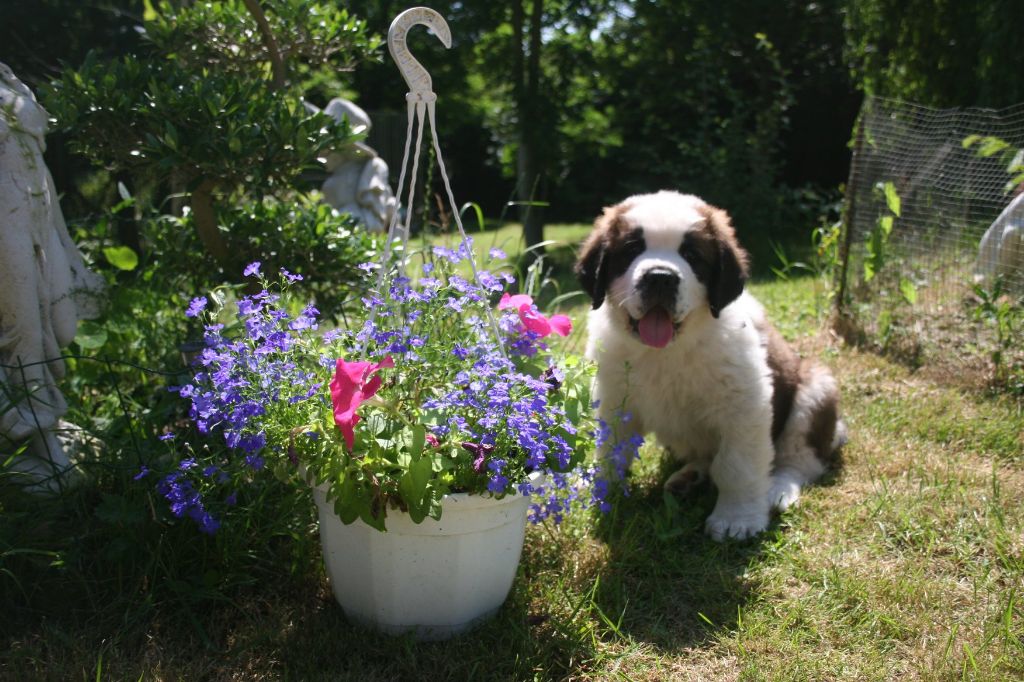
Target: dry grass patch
x: 908, y: 563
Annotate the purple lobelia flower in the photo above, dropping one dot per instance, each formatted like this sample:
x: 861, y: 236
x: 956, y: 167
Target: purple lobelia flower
x: 196, y: 306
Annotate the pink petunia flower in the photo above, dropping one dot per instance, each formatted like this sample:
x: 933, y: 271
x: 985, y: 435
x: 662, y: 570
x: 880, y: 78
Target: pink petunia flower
x: 533, y: 320
x: 352, y: 385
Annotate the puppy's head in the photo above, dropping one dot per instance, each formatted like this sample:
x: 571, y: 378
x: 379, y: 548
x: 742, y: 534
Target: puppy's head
x: 655, y: 258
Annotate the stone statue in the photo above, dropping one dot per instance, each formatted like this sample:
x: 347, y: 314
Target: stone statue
x: 1001, y: 251
x: 358, y: 184
x: 45, y: 288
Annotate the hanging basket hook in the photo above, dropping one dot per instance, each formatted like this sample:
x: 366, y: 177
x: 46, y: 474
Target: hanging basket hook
x: 420, y: 86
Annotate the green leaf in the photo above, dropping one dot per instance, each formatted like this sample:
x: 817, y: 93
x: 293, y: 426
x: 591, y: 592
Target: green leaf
x: 346, y: 506
x: 885, y: 224
x: 418, y: 512
x: 376, y: 424
x: 282, y: 472
x: 583, y: 391
x: 413, y: 488
x: 869, y: 270
x: 476, y: 209
x: 991, y: 146
x: 121, y: 257
x: 572, y: 411
x: 892, y: 199
x: 908, y: 290
x: 421, y: 471
x: 884, y: 323
x: 436, y: 493
x: 372, y: 521
x: 875, y: 250
x: 90, y: 335
x: 419, y: 439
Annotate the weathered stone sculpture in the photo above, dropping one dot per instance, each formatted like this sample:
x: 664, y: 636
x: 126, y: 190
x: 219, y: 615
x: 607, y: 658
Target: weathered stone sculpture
x: 1001, y: 252
x: 358, y: 184
x: 45, y: 288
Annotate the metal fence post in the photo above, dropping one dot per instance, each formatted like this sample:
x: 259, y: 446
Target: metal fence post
x: 849, y: 212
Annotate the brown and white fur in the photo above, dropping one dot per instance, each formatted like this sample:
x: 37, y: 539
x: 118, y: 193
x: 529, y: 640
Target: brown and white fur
x: 689, y: 354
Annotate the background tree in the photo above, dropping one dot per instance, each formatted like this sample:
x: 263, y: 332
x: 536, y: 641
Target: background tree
x: 536, y: 71
x: 581, y: 102
x: 531, y: 130
x: 942, y: 53
x: 701, y: 94
x: 212, y: 104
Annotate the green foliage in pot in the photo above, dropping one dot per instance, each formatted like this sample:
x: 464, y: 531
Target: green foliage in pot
x: 435, y: 390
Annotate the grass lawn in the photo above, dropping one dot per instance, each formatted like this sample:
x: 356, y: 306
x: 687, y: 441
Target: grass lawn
x: 907, y: 563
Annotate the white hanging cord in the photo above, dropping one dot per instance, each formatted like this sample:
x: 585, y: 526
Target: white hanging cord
x: 421, y: 99
x: 462, y: 231
x: 414, y: 112
x: 412, y: 185
x: 393, y: 223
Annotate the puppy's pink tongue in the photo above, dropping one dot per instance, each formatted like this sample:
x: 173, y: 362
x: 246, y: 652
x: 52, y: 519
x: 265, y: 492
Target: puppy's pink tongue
x: 655, y: 328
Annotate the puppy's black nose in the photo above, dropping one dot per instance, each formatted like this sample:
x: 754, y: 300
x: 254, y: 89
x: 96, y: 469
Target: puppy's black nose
x: 659, y: 284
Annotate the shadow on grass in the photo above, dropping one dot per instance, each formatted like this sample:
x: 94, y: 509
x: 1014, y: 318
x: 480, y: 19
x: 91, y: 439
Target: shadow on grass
x: 645, y: 573
x: 666, y: 582
x: 321, y: 644
x: 184, y: 606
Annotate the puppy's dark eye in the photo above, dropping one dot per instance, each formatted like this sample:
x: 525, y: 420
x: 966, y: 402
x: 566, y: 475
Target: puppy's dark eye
x: 632, y: 246
x: 691, y: 254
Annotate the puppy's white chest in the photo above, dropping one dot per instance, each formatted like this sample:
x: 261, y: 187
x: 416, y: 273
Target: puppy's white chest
x: 674, y: 402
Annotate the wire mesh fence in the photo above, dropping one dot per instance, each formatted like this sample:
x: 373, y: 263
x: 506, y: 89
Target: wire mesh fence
x: 923, y: 246
x: 102, y: 423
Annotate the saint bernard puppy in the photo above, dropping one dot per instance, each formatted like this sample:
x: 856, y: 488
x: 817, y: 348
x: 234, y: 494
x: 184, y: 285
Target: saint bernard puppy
x: 690, y: 356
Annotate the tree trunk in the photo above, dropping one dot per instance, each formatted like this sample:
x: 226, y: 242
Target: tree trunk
x: 206, y: 224
x: 269, y: 42
x: 529, y: 161
x: 529, y: 189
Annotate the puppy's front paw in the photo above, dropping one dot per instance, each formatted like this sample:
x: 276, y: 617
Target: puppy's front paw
x: 738, y: 522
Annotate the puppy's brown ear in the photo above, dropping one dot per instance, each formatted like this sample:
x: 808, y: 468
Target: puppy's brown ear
x: 730, y: 273
x: 590, y: 265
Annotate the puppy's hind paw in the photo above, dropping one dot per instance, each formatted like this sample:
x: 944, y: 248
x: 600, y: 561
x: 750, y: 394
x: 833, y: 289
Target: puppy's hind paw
x: 783, y: 494
x: 683, y: 482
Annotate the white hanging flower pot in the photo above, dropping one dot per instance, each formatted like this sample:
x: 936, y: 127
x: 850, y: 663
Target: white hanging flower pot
x: 434, y: 579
